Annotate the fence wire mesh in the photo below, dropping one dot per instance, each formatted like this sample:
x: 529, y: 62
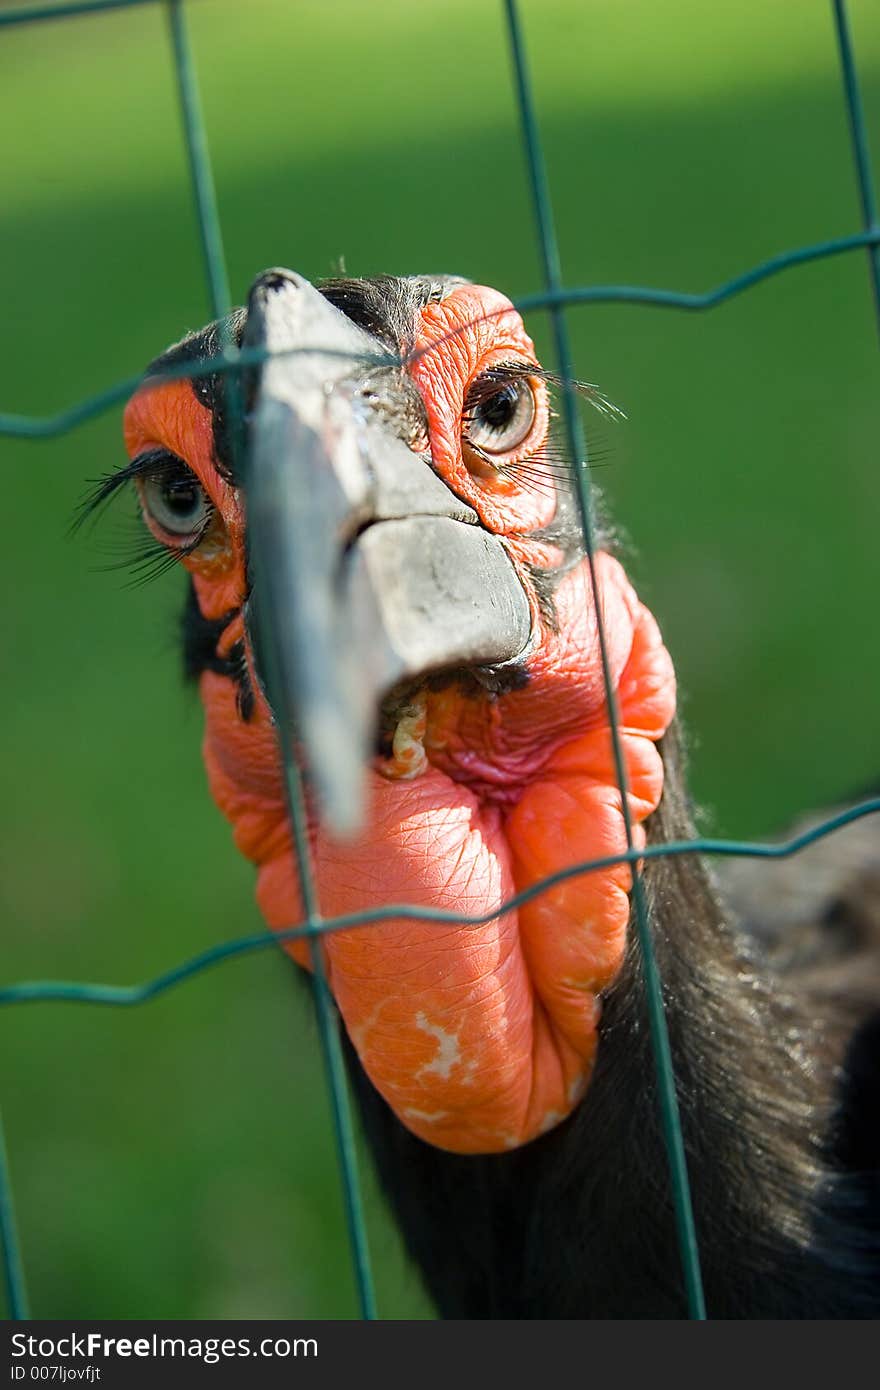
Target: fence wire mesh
x: 554, y: 298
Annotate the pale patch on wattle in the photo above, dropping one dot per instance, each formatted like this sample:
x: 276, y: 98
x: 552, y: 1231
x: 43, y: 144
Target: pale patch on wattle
x: 448, y: 1049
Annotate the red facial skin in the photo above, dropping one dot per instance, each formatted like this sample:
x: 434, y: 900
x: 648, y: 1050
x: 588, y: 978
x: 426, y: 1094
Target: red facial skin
x: 480, y: 1038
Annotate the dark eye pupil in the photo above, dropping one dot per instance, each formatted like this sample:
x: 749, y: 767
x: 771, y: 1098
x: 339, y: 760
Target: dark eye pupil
x: 181, y: 499
x: 498, y: 410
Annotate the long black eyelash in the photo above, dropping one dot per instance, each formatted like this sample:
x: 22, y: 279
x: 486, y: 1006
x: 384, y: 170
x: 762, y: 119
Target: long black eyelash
x: 146, y: 558
x: 488, y: 382
x: 141, y: 552
x: 549, y: 468
x: 153, y: 463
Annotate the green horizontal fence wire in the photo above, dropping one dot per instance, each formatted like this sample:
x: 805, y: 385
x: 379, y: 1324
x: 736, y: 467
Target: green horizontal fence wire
x: 72, y: 992
x: 33, y: 14
x: 48, y: 426
x: 554, y: 297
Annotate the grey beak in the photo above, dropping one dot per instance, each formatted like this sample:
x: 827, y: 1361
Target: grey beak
x: 366, y: 569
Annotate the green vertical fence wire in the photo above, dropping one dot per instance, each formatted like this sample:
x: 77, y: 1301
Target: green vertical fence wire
x: 859, y: 133
x: 199, y: 160
x: 672, y: 1133
x: 10, y: 1246
x: 328, y: 1020
x: 554, y: 297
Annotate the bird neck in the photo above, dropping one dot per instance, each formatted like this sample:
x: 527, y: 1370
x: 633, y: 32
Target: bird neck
x: 579, y: 1223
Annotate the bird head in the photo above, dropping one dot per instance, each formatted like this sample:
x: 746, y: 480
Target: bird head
x: 388, y: 546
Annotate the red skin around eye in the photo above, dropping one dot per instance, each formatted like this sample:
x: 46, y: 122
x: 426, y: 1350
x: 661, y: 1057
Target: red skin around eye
x: 463, y: 336
x: 481, y: 1037
x: 168, y: 416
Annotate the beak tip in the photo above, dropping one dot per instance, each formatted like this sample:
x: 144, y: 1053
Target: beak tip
x: 338, y: 762
x: 343, y: 814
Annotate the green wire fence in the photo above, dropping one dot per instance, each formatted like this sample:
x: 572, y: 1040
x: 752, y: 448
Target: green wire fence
x: 554, y: 297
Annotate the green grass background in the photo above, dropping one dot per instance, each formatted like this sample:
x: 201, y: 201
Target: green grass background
x: 176, y: 1160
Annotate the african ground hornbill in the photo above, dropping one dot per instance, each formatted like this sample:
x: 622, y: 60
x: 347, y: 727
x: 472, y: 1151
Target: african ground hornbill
x: 437, y: 637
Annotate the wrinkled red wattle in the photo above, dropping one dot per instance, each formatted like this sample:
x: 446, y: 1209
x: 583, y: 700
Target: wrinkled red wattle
x: 480, y: 1038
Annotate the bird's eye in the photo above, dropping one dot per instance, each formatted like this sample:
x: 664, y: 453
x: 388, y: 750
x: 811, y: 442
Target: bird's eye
x: 178, y: 505
x: 500, y: 419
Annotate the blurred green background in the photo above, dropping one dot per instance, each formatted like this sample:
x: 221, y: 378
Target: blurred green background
x: 176, y: 1160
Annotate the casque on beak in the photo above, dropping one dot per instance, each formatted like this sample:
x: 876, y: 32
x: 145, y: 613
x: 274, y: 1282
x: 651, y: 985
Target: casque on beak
x: 366, y: 569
